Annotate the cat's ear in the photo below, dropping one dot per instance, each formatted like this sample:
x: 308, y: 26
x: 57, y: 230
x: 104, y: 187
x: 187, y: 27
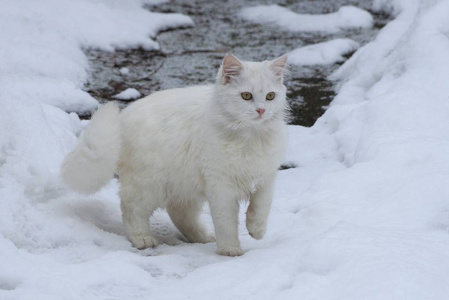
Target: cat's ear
x: 231, y: 67
x: 279, y: 66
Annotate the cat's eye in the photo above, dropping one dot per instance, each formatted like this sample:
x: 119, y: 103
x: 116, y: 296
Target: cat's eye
x: 247, y: 96
x: 270, y: 96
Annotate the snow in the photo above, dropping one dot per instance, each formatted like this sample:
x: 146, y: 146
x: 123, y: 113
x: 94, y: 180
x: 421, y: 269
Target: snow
x: 365, y: 215
x: 128, y: 94
x: 56, y: 31
x: 124, y: 71
x: 324, y: 53
x: 345, y: 18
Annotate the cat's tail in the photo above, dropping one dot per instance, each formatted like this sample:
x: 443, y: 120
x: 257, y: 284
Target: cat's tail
x: 92, y: 163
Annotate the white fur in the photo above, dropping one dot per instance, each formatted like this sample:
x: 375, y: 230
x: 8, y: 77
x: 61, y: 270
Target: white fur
x: 182, y: 147
x: 92, y: 163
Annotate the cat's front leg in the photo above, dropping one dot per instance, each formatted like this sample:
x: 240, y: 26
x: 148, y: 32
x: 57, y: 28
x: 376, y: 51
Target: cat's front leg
x: 224, y: 208
x: 259, y: 208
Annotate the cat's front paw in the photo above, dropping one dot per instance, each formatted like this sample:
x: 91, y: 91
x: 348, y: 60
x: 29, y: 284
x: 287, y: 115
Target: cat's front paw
x: 256, y: 228
x: 143, y: 242
x: 230, y: 251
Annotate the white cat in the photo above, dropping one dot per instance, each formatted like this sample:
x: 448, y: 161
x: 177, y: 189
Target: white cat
x: 178, y: 148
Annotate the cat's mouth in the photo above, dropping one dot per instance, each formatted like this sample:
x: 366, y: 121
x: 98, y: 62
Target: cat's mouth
x: 259, y: 119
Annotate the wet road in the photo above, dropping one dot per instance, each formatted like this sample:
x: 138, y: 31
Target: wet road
x: 190, y: 56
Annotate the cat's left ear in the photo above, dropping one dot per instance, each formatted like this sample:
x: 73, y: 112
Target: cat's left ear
x: 279, y: 66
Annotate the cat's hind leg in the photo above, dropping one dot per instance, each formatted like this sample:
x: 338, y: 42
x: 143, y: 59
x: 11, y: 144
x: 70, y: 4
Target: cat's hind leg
x: 136, y: 212
x: 186, y: 217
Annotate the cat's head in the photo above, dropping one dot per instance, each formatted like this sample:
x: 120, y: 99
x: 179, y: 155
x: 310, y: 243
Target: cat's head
x: 251, y: 92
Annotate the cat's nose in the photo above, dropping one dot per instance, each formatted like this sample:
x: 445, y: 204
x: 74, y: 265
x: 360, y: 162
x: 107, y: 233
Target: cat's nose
x: 260, y: 111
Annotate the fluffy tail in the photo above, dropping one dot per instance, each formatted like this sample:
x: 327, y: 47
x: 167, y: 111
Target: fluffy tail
x: 92, y: 163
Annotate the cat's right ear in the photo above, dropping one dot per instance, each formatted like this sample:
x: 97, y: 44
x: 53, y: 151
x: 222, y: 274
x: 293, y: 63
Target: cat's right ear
x: 231, y: 67
x: 279, y: 66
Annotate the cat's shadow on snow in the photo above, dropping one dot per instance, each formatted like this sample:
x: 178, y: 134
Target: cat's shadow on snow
x: 107, y: 218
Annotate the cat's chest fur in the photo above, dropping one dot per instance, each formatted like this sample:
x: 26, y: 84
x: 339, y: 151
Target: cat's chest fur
x: 244, y: 162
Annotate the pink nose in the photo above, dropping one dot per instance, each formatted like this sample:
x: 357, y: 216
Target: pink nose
x: 260, y: 111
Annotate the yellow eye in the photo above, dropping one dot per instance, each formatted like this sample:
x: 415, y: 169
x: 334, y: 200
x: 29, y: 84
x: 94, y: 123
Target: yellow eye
x: 247, y: 96
x: 270, y: 95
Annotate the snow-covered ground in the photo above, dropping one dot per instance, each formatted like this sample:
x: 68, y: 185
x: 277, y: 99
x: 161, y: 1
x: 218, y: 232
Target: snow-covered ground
x: 345, y: 17
x: 324, y: 53
x: 128, y: 94
x: 365, y: 215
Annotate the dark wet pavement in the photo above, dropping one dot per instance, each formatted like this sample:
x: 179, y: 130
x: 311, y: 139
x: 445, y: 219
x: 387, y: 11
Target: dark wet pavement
x: 191, y: 56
